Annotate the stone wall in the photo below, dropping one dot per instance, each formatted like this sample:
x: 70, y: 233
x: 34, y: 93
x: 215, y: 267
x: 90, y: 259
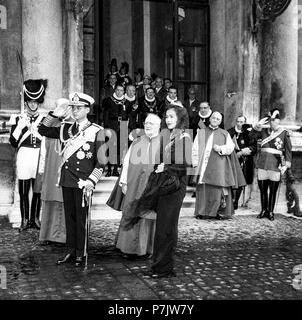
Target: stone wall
x: 279, y: 63
x: 234, y: 60
x: 7, y: 173
x: 10, y: 71
x: 42, y: 39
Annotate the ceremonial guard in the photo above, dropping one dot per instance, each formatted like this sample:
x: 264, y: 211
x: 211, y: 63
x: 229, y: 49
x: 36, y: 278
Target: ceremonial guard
x: 26, y: 139
x: 245, y: 148
x: 81, y: 169
x: 273, y: 159
x: 192, y: 106
x: 115, y: 116
x: 171, y: 98
x: 132, y: 107
x: 148, y: 104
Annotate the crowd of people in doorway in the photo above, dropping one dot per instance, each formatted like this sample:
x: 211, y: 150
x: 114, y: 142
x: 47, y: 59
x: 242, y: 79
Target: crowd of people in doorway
x: 169, y: 144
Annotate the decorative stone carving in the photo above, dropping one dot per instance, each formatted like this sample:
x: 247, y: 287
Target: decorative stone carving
x: 270, y: 9
x: 266, y: 10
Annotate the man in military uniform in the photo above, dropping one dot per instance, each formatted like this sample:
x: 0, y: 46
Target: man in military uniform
x: 26, y: 139
x: 81, y: 169
x: 245, y: 148
x: 273, y: 160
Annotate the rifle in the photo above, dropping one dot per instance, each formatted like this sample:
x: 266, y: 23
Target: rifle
x: 22, y: 78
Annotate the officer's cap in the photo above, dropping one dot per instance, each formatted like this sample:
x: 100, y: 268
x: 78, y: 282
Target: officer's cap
x: 80, y: 99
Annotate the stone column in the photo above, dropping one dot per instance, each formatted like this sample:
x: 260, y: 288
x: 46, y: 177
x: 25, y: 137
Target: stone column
x: 235, y: 61
x: 73, y: 79
x: 280, y: 63
x: 42, y: 45
x: 299, y: 89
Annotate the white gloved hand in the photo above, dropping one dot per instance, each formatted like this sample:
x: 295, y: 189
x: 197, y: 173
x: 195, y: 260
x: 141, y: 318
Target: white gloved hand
x: 283, y: 170
x: 62, y: 111
x: 22, y: 123
x: 246, y: 151
x: 86, y: 185
x: 124, y: 188
x: 160, y: 168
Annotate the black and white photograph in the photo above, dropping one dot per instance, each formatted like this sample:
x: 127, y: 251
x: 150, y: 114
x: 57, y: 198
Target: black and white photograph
x: 150, y: 153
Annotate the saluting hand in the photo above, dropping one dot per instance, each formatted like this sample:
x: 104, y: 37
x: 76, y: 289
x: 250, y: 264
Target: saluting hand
x: 62, y: 111
x: 261, y: 123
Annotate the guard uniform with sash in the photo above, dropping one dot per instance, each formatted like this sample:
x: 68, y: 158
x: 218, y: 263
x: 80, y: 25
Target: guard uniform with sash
x: 26, y: 139
x: 275, y: 152
x: 81, y: 161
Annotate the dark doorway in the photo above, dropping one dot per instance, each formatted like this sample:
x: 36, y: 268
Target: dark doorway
x: 169, y: 38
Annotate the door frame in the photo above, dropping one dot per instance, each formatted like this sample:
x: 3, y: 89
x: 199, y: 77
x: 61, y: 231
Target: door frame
x: 197, y: 5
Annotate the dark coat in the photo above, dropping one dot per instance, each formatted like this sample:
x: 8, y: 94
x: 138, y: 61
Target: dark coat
x: 245, y: 140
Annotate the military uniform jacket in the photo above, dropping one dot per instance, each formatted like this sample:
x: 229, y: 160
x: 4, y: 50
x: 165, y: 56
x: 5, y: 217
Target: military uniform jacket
x: 29, y: 136
x: 275, y: 149
x: 81, y: 154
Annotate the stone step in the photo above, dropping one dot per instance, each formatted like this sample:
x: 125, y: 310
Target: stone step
x: 100, y: 211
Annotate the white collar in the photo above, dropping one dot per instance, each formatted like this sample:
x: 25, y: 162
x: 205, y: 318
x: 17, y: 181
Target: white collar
x: 237, y: 130
x: 128, y: 98
x: 158, y: 89
x: 170, y: 100
x: 149, y: 100
x: 117, y: 98
x: 206, y: 116
x: 213, y: 127
x: 82, y: 124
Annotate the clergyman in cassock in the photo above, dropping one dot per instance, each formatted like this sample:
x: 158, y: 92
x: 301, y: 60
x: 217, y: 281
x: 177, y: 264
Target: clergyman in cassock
x: 217, y: 171
x: 136, y: 233
x: 82, y: 167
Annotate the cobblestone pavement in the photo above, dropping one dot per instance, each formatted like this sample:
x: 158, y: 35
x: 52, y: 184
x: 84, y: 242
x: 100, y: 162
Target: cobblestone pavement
x: 242, y: 258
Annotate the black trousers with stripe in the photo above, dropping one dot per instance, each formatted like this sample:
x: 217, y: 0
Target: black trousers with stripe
x: 75, y: 217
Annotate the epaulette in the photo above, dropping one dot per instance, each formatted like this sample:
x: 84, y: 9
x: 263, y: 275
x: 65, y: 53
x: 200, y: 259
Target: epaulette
x: 98, y: 126
x: 67, y: 122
